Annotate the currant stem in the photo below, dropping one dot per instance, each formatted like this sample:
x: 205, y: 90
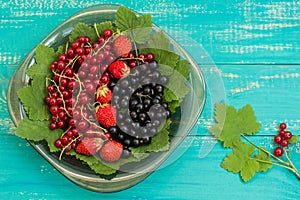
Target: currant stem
x: 67, y: 146
x: 288, y: 165
x: 272, y: 163
x: 64, y: 103
x: 264, y: 150
x: 81, y: 110
x: 96, y: 30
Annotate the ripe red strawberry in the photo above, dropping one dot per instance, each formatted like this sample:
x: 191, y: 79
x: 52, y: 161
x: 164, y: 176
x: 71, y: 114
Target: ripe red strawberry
x: 88, y: 146
x: 122, y: 46
x: 111, y: 151
x: 106, y: 115
x: 118, y: 69
x: 103, y: 94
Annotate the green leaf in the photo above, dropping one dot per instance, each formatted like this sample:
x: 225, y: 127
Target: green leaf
x: 250, y: 125
x: 231, y: 124
x: 159, y: 41
x: 232, y: 163
x: 83, y: 29
x: 159, y: 142
x: 32, y: 98
x: 240, y: 161
x: 103, y: 26
x: 174, y: 105
x: 249, y: 169
x: 242, y: 150
x: 144, y: 21
x: 183, y: 67
x: 177, y: 84
x: 261, y: 156
x: 294, y: 139
x: 169, y: 95
x: 37, y: 131
x: 44, y: 57
x: 125, y: 18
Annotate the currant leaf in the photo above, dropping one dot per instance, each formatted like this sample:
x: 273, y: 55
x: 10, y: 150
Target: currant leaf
x: 83, y: 29
x: 38, y: 131
x: 32, y: 102
x: 263, y: 158
x: 294, y: 139
x: 125, y: 18
x: 44, y: 57
x: 249, y: 124
x: 249, y: 169
x: 231, y: 124
x: 103, y: 26
x: 240, y: 160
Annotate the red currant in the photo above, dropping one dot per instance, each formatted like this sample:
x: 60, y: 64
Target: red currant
x: 278, y: 139
x: 278, y: 151
x: 284, y: 143
x: 107, y: 33
x: 282, y: 126
x: 282, y: 133
x: 57, y: 143
x: 287, y: 135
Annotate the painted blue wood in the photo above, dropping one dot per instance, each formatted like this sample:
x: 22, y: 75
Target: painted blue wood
x: 256, y: 47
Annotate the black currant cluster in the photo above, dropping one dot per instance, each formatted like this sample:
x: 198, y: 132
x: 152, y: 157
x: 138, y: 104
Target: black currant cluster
x: 141, y: 111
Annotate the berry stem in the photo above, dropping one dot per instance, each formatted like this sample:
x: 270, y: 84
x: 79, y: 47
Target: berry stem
x: 96, y: 30
x: 288, y: 165
x: 81, y: 110
x: 67, y: 146
x: 64, y: 103
x: 264, y: 150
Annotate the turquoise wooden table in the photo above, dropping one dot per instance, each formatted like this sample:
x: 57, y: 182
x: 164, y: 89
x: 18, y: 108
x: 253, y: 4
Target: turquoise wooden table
x: 254, y: 43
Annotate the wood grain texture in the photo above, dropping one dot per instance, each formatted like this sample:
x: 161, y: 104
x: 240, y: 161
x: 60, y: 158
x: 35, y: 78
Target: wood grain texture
x: 243, y: 31
x: 255, y: 45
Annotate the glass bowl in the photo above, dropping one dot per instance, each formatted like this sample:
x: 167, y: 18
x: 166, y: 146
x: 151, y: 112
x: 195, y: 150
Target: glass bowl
x: 190, y: 110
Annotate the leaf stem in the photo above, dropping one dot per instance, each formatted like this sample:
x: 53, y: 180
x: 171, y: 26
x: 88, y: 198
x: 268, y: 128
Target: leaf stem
x: 288, y: 165
x: 264, y: 150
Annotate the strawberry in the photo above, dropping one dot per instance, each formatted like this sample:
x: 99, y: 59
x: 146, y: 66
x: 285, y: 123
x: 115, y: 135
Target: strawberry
x: 111, y: 151
x: 103, y: 94
x: 106, y: 115
x: 88, y: 146
x: 122, y: 46
x: 118, y: 69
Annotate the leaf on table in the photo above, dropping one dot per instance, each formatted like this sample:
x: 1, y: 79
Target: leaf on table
x: 294, y: 139
x: 249, y: 169
x: 231, y: 124
x: 240, y: 160
x: 249, y: 124
x: 44, y: 57
x: 262, y: 159
x: 31, y: 98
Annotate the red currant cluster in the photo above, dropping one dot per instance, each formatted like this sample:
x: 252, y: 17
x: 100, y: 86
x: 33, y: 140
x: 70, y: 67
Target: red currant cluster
x: 80, y: 89
x: 282, y: 139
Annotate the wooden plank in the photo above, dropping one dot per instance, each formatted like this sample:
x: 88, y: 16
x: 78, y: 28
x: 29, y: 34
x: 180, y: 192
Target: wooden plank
x: 272, y: 90
x: 25, y: 175
x: 257, y: 31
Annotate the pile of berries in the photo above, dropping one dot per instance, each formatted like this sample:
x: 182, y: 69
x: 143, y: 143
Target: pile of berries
x: 105, y: 97
x: 282, y: 139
